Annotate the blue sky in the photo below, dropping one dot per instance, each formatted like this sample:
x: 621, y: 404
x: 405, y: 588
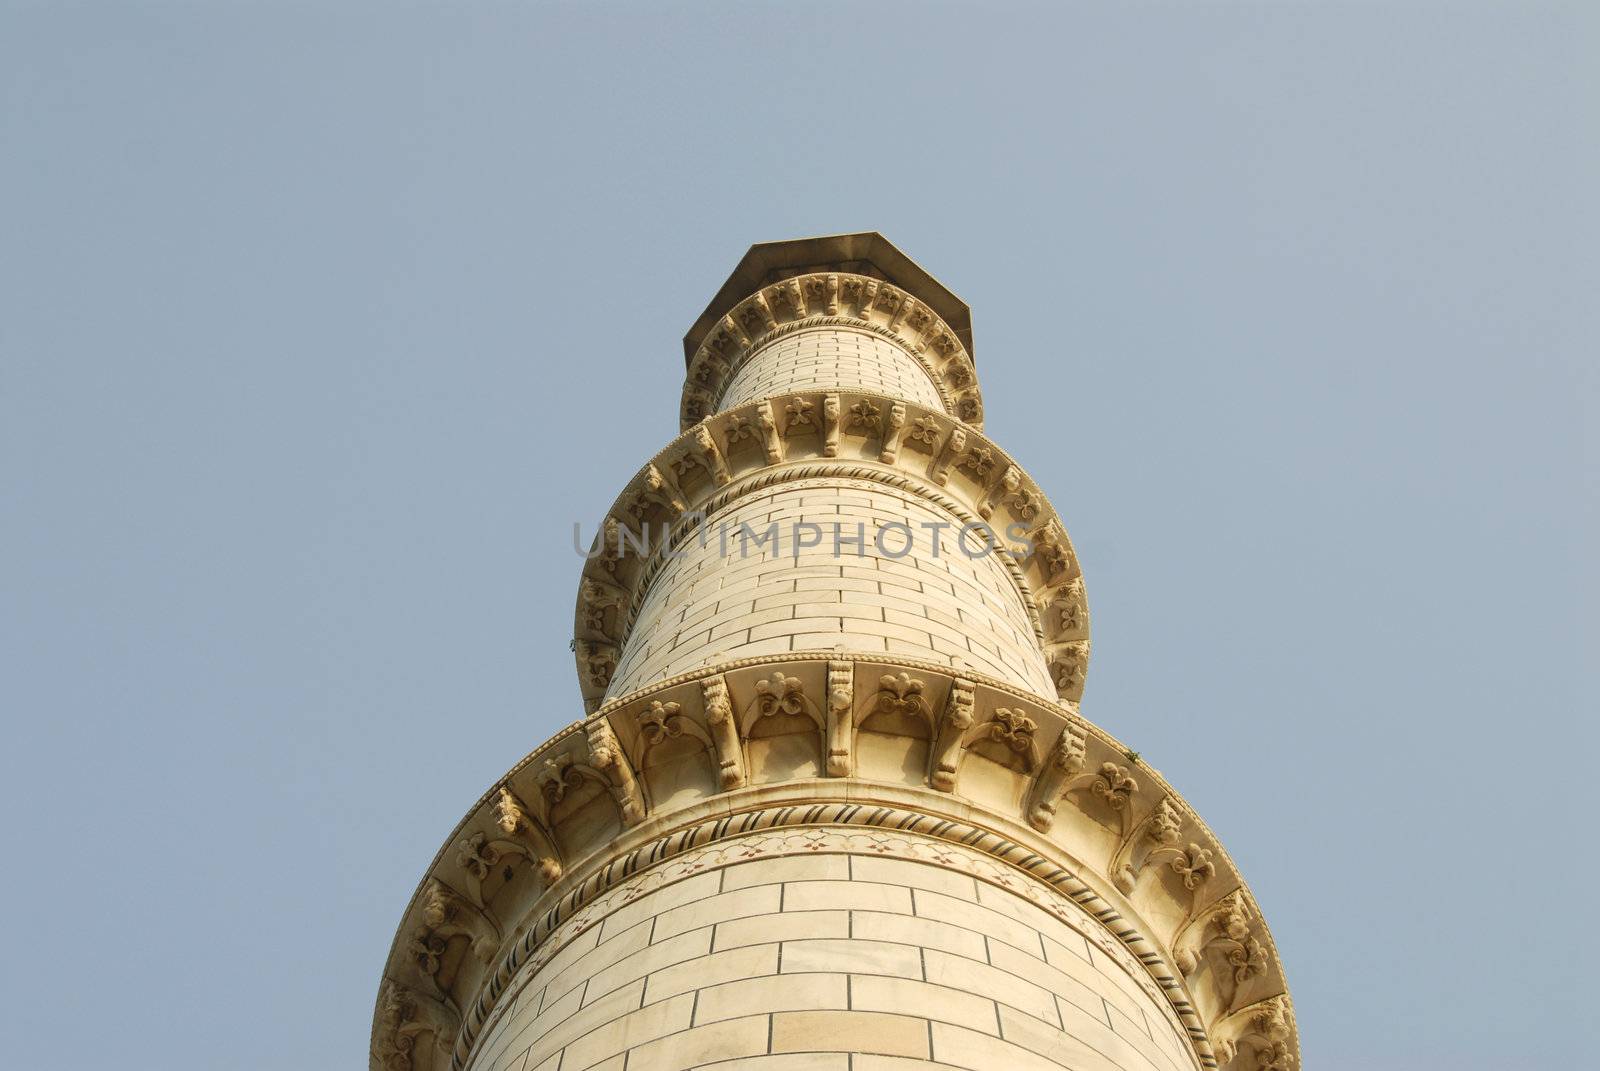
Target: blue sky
x: 307, y: 309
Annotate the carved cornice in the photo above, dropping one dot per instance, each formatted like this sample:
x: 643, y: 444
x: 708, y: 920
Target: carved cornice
x: 832, y: 299
x: 863, y: 436
x: 1014, y: 777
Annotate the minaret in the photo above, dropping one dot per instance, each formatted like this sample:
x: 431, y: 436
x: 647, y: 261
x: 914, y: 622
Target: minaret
x: 833, y: 805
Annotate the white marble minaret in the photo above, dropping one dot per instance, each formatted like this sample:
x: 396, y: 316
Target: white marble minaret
x: 833, y: 804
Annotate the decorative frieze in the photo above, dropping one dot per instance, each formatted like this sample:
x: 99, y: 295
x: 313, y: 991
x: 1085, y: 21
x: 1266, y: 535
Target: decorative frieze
x: 1220, y: 955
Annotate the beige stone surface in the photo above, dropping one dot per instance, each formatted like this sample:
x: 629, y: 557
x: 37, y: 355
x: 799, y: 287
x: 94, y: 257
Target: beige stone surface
x: 830, y: 358
x: 885, y: 986
x: 711, y: 606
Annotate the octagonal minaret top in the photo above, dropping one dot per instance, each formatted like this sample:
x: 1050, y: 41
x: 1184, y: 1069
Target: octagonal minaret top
x: 863, y: 253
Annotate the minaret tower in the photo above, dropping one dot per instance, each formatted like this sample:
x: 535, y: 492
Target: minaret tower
x: 833, y: 805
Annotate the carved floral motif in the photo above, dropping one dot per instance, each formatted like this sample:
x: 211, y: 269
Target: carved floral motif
x: 863, y: 414
x: 404, y: 1016
x: 979, y: 461
x: 1194, y: 866
x: 779, y: 695
x: 1012, y: 728
x: 1069, y: 664
x: 900, y: 693
x: 925, y: 430
x: 1114, y: 785
x: 660, y: 721
x: 741, y: 429
x: 797, y: 413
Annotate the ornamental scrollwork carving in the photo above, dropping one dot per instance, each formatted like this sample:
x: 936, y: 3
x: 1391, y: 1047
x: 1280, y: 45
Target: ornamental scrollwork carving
x: 606, y: 767
x: 661, y: 723
x: 1054, y: 553
x: 724, y: 733
x: 1054, y: 781
x: 558, y: 775
x: 1071, y: 614
x: 1223, y: 938
x: 1159, y: 841
x: 1113, y: 786
x: 1069, y: 665
x: 953, y: 727
x: 939, y: 472
x: 609, y: 552
x: 443, y: 915
x: 899, y: 693
x: 696, y: 405
x: 979, y: 461
x: 404, y: 1018
x: 522, y: 837
x: 597, y: 661
x: 708, y: 372
x: 655, y: 491
x: 741, y: 428
x: 605, y: 755
x: 892, y: 429
x: 1257, y: 1038
x: 780, y: 695
x: 840, y: 731
x: 1012, y: 731
x: 701, y: 453
x: 597, y: 599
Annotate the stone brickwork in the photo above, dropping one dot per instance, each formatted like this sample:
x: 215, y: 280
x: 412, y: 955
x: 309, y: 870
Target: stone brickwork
x: 803, y: 961
x: 830, y: 358
x: 717, y: 603
x: 832, y: 804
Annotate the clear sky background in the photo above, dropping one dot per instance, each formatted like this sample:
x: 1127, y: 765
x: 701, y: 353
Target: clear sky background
x: 321, y: 323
